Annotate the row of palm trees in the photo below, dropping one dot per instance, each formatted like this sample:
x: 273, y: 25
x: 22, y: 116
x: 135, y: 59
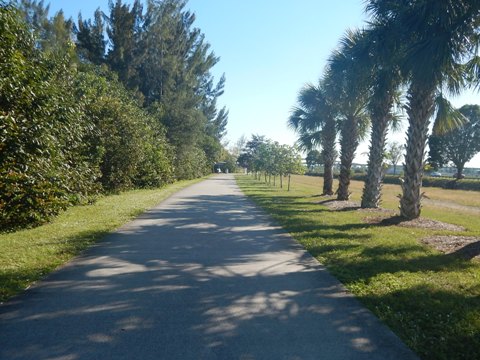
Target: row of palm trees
x: 422, y: 47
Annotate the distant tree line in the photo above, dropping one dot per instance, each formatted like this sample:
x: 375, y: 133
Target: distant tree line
x: 124, y: 100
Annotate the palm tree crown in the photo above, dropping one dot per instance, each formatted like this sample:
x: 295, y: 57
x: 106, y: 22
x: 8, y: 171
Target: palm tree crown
x: 438, y: 38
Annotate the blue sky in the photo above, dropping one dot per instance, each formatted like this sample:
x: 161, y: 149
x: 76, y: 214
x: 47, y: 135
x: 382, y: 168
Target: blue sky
x: 269, y: 49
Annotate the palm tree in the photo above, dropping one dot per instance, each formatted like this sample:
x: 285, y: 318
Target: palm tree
x: 376, y: 54
x: 439, y: 36
x: 314, y: 122
x: 347, y: 84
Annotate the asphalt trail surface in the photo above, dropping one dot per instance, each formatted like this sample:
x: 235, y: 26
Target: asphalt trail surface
x: 204, y: 275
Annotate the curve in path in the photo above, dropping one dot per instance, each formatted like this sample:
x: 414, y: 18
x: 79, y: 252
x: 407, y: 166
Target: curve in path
x: 204, y: 275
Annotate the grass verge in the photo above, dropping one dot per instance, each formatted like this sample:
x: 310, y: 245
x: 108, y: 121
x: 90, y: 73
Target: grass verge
x: 429, y: 299
x: 28, y: 255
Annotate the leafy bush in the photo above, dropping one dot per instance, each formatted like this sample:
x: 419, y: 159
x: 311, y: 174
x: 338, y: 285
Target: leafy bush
x: 67, y: 131
x: 462, y: 184
x: 41, y: 130
x: 190, y: 163
x: 128, y: 143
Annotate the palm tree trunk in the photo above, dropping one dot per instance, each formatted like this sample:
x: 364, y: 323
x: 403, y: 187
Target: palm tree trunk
x: 329, y: 155
x: 372, y: 190
x: 328, y: 178
x: 420, y: 108
x: 348, y: 146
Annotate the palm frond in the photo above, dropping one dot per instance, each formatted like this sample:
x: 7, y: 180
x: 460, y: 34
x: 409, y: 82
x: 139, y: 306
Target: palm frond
x: 309, y: 141
x: 473, y: 72
x: 396, y: 120
x: 363, y: 126
x: 448, y: 118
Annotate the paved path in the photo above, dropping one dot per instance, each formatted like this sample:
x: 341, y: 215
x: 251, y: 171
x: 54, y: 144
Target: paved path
x: 205, y: 275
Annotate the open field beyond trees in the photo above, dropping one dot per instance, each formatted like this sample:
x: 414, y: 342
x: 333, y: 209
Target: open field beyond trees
x: 28, y: 255
x: 431, y: 299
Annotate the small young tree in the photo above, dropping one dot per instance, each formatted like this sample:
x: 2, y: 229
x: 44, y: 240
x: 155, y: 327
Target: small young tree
x: 394, y: 154
x: 293, y: 163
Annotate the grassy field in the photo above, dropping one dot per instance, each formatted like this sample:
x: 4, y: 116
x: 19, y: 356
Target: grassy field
x: 28, y: 255
x: 430, y: 299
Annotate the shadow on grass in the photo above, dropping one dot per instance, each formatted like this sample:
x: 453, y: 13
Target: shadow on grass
x: 14, y: 281
x: 373, y: 260
x: 468, y: 251
x: 431, y: 320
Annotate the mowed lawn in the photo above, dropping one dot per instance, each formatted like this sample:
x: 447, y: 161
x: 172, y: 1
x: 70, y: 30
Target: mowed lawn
x: 430, y: 299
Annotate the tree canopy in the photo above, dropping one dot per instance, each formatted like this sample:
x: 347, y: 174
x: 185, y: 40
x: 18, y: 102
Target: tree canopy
x: 459, y: 145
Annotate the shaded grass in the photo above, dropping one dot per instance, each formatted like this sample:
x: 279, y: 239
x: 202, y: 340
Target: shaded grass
x: 431, y: 300
x: 28, y: 255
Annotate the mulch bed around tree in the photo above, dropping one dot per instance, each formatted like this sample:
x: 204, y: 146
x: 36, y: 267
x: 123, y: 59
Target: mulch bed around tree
x: 387, y: 217
x: 467, y: 247
x: 340, y: 205
x: 420, y: 222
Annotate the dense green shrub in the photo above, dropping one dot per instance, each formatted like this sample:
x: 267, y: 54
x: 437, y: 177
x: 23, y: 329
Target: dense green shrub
x: 41, y: 130
x: 190, y: 163
x: 128, y: 143
x: 67, y: 131
x: 446, y: 183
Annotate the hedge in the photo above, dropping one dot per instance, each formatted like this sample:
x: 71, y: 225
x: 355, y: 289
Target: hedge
x: 441, y: 182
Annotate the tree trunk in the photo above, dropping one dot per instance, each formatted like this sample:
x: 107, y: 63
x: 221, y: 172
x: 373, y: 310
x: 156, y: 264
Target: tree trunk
x: 372, y: 191
x: 328, y: 179
x: 329, y: 155
x: 289, y: 182
x: 281, y: 181
x: 460, y: 167
x: 420, y: 108
x: 274, y: 179
x: 348, y: 146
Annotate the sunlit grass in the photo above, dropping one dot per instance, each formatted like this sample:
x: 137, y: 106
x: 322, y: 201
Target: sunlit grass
x: 28, y: 255
x: 431, y: 300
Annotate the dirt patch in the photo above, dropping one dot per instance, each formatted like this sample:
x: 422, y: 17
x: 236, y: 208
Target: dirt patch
x: 422, y: 223
x: 340, y: 205
x: 467, y: 247
x: 386, y: 212
x: 343, y: 205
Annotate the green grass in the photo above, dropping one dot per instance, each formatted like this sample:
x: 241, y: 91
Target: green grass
x: 28, y: 255
x: 431, y: 300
